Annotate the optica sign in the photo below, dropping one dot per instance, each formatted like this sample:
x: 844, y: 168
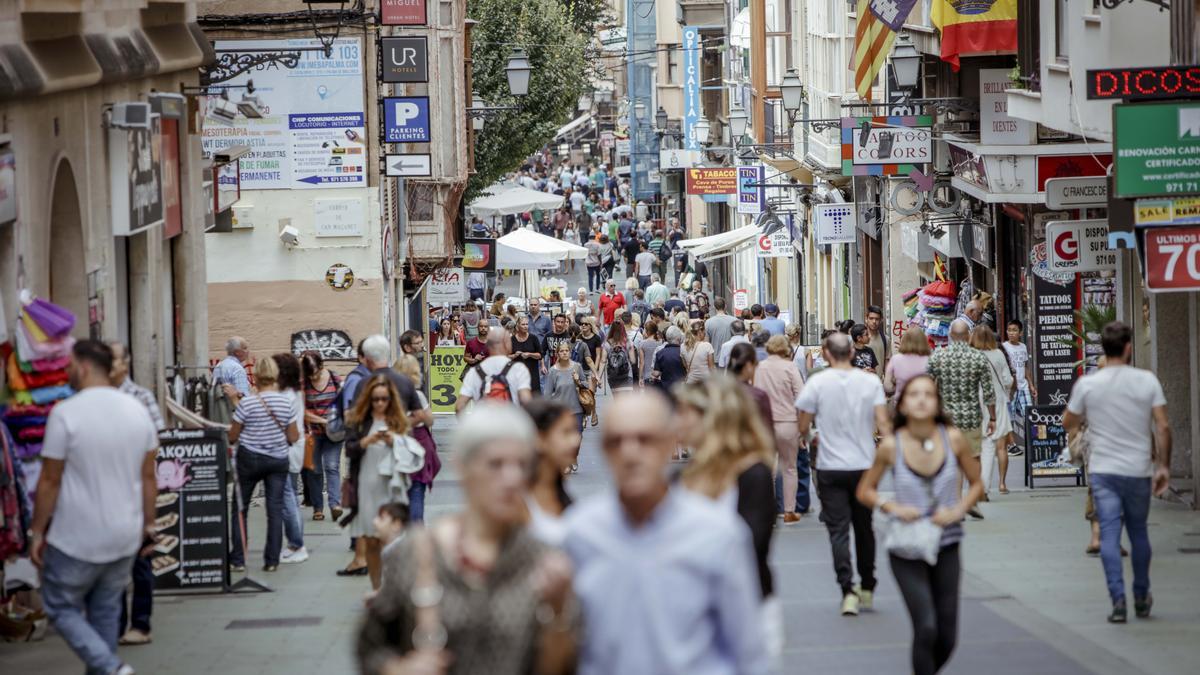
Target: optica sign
x: 1144, y: 83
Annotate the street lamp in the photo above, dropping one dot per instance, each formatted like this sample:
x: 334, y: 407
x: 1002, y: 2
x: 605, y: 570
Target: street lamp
x: 660, y: 119
x: 737, y: 123
x: 701, y: 129
x: 906, y: 63
x: 478, y: 103
x: 518, y: 72
x: 793, y: 91
x: 639, y: 111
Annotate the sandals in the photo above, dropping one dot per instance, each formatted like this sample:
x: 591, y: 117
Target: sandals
x: 1003, y: 490
x: 318, y: 515
x: 356, y: 572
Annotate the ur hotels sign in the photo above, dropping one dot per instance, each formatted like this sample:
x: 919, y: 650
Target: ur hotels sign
x: 405, y: 59
x: 406, y: 119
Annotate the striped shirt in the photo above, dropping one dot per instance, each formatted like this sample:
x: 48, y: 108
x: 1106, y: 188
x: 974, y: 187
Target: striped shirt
x: 146, y: 398
x: 319, y: 402
x: 260, y: 431
x: 928, y: 494
x: 231, y: 371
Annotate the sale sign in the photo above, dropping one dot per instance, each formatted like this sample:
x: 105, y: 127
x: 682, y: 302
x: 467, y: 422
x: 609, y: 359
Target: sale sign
x: 1173, y: 259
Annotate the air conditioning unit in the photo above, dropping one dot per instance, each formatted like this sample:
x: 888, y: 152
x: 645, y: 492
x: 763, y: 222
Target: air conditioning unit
x: 132, y: 115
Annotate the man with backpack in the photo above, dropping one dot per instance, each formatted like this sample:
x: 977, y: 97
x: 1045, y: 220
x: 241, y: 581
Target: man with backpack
x: 497, y: 378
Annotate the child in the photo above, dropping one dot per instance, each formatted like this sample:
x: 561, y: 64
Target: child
x: 389, y: 525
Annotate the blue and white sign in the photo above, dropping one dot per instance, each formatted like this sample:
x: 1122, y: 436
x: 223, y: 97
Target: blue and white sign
x: 406, y: 119
x: 691, y: 87
x: 751, y: 194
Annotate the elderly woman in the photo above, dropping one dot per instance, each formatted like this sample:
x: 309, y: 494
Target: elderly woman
x: 582, y: 307
x: 264, y: 427
x: 668, y: 362
x: 477, y: 593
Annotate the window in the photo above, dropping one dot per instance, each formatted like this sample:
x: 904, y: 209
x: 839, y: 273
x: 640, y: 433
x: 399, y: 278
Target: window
x: 1061, y: 30
x: 1029, y: 45
x: 674, y: 53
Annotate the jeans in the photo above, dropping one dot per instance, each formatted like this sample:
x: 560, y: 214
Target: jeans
x: 252, y: 468
x: 931, y: 595
x: 595, y: 283
x: 138, y: 616
x: 1125, y: 498
x: 416, y: 502
x: 293, y: 525
x: 839, y: 511
x: 327, y: 456
x: 643, y: 281
x: 803, y: 493
x: 83, y: 601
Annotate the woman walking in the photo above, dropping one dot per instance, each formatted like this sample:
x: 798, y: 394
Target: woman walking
x: 558, y: 440
x: 620, y: 359
x: 1003, y: 381
x: 376, y: 423
x: 910, y: 362
x: 563, y: 380
x: 608, y: 256
x: 481, y: 563
x: 322, y: 389
x: 589, y: 353
x: 528, y: 350
x: 669, y: 368
x: 582, y: 308
x: 289, y: 385
x: 925, y: 455
x: 422, y: 481
x: 263, y: 428
x: 647, y: 348
x: 779, y: 378
x: 697, y: 354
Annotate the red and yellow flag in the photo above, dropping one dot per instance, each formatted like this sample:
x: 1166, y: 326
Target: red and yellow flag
x: 974, y: 27
x: 878, y: 23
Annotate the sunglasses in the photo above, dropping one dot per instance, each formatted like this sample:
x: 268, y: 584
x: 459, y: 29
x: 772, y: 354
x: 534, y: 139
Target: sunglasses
x: 381, y: 399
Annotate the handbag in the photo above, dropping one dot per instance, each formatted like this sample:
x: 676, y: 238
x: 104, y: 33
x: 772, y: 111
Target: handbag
x: 919, y: 539
x: 310, y: 447
x: 587, y: 397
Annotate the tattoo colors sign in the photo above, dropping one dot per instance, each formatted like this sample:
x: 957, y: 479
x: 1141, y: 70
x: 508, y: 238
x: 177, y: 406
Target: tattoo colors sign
x: 313, y: 130
x: 192, y: 511
x: 886, y: 146
x: 445, y: 377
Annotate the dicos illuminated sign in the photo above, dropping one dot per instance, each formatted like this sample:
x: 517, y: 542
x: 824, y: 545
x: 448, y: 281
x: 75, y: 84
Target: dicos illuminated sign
x: 1144, y: 83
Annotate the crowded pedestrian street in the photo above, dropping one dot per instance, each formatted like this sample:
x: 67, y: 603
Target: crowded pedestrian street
x: 599, y: 337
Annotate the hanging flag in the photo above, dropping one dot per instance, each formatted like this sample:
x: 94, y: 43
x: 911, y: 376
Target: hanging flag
x: 878, y: 23
x: 974, y: 27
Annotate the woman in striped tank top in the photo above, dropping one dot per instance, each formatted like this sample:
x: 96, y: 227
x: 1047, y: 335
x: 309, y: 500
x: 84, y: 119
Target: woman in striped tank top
x: 925, y: 455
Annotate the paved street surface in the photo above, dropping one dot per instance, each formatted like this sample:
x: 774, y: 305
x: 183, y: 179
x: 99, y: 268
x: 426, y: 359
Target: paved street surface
x: 1032, y: 602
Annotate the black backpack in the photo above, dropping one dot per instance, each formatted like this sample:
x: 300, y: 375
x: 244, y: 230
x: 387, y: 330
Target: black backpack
x: 664, y: 252
x: 618, y: 364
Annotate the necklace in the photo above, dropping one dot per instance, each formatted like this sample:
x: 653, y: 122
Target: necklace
x: 926, y: 444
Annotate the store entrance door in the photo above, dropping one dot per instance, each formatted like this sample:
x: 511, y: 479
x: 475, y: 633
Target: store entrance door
x: 68, y: 276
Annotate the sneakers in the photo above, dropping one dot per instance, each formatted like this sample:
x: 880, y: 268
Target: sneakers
x: 850, y: 604
x: 866, y: 599
x: 134, y: 637
x: 1119, y: 613
x: 237, y: 569
x: 791, y: 518
x: 270, y: 568
x: 335, y: 512
x: 298, y: 555
x: 1015, y: 450
x: 124, y: 669
x: 975, y: 513
x: 1141, y: 606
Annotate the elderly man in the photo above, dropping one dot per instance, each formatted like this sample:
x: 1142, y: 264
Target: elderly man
x: 971, y: 315
x: 657, y: 292
x: 666, y: 578
x: 230, y: 373
x: 737, y: 330
x: 964, y: 377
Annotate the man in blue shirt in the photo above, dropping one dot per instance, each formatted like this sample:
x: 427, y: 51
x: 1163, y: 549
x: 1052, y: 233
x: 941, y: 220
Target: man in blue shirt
x: 230, y: 374
x: 539, y: 323
x: 773, y: 324
x: 666, y: 574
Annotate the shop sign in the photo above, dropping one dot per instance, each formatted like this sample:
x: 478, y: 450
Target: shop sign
x: 402, y: 12
x: 1045, y: 440
x: 408, y: 165
x: 1077, y: 193
x: 996, y: 126
x: 135, y: 178
x: 479, y: 255
x: 406, y: 119
x: 209, y: 192
x: 677, y: 158
x: 1173, y: 259
x: 968, y: 166
x: 1070, y: 166
x: 751, y: 193
x: 445, y: 377
x: 1054, y: 306
x: 191, y: 511
x: 447, y: 285
x: 886, y: 146
x: 1157, y: 149
x: 172, y: 203
x: 1173, y: 82
x: 1079, y: 246
x: 834, y: 223
x: 404, y: 59
x: 691, y: 86
x: 741, y: 299
x: 777, y: 244
x: 8, y: 185
x: 914, y: 243
x: 330, y: 343
x: 716, y: 181
x: 339, y: 277
x: 338, y: 217
x: 313, y: 131
x: 981, y: 243
x: 1185, y: 211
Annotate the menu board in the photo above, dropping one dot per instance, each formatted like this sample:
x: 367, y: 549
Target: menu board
x: 193, y: 511
x: 1045, y: 440
x: 1056, y: 358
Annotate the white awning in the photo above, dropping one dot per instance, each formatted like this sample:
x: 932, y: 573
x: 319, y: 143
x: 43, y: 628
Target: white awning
x: 719, y: 245
x: 739, y: 34
x: 573, y: 125
x: 524, y: 249
x: 508, y: 200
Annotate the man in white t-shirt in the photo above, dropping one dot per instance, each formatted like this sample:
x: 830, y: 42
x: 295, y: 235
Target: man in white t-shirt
x: 849, y: 406
x: 95, y: 507
x: 1129, y: 437
x: 499, y: 364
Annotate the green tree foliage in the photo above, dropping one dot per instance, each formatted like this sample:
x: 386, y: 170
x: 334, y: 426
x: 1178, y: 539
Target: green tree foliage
x: 562, y: 68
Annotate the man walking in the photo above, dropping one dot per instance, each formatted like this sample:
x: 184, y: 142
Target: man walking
x: 657, y: 291
x: 666, y: 579
x: 610, y: 302
x: 877, y: 342
x: 135, y: 617
x: 412, y: 342
x: 719, y: 326
x: 965, y: 380
x: 1129, y: 436
x: 772, y: 323
x: 230, y: 382
x: 848, y: 406
x: 1026, y: 394
x: 737, y: 335
x: 697, y: 301
x: 644, y: 264
x: 539, y: 323
x: 482, y: 381
x: 95, y: 506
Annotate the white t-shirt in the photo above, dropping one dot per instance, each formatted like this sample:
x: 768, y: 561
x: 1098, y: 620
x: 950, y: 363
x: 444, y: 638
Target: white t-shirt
x: 518, y: 378
x: 103, y: 436
x: 577, y: 200
x: 1117, y: 402
x: 1018, y: 355
x: 844, y: 403
x: 645, y: 263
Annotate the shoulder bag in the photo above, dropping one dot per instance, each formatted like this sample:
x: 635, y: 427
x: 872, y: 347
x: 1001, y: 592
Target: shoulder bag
x: 920, y: 539
x: 587, y: 397
x: 335, y: 425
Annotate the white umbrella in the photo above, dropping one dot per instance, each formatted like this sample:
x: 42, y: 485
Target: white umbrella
x: 524, y: 249
x: 509, y: 200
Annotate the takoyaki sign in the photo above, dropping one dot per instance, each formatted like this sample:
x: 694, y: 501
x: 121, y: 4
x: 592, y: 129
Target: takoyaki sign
x: 886, y: 145
x: 191, y: 523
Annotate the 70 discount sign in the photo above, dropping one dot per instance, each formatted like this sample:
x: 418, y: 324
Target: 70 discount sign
x: 1173, y: 259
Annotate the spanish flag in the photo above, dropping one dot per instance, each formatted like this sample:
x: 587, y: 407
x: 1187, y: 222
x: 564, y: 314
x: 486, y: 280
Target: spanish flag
x: 975, y: 27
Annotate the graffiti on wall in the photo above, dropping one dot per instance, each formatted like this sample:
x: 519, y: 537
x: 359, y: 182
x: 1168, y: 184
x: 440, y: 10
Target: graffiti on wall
x: 331, y: 344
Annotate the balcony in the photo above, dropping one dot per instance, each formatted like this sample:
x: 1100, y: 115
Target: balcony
x: 700, y: 12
